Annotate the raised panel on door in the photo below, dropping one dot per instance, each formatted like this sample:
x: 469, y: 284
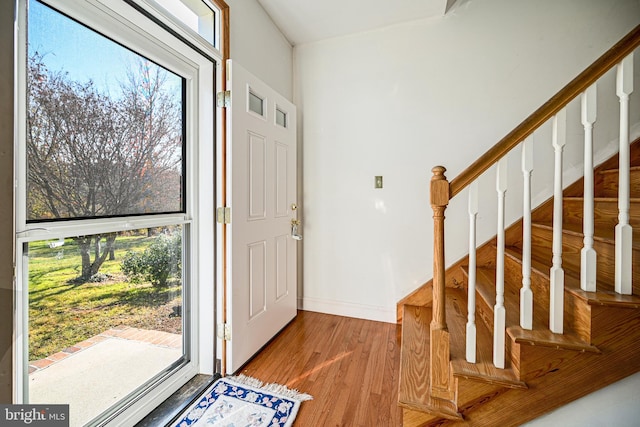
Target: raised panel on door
x: 257, y: 176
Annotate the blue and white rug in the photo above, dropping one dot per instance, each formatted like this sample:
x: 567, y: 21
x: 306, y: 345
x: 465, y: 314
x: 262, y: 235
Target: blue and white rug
x: 243, y: 401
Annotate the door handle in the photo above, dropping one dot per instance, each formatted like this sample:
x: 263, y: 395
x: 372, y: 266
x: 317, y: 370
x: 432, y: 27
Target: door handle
x: 294, y: 229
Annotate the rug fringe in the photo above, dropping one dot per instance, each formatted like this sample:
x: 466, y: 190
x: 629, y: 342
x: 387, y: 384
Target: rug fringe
x: 246, y: 380
x: 271, y: 387
x: 287, y: 392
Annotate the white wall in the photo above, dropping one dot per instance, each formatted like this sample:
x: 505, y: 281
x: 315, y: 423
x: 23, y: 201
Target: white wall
x: 399, y: 100
x: 259, y: 46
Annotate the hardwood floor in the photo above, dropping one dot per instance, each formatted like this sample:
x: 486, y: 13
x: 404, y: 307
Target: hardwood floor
x: 349, y: 366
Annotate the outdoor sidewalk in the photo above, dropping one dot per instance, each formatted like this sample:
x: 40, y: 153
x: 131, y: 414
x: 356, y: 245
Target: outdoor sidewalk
x: 94, y: 374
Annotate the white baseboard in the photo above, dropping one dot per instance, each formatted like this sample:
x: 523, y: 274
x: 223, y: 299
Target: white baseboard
x: 339, y: 308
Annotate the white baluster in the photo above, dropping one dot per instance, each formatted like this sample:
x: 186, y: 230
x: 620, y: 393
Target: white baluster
x: 471, y: 297
x: 526, y: 296
x: 588, y: 253
x: 499, y: 313
x: 624, y: 231
x: 556, y: 274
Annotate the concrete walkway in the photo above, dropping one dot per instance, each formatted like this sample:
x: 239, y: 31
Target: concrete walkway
x: 96, y: 373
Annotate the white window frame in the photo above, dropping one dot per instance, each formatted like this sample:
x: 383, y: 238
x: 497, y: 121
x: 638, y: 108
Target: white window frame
x: 123, y: 23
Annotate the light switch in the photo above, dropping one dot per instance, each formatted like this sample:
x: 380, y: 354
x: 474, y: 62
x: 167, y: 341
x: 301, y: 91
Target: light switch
x: 378, y: 182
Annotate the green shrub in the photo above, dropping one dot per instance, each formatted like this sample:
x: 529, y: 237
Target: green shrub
x: 160, y: 261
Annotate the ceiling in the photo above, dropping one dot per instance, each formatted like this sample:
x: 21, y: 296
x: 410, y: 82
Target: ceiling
x: 304, y: 21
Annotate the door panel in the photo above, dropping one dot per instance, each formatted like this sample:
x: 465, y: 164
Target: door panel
x: 257, y: 176
x: 262, y: 185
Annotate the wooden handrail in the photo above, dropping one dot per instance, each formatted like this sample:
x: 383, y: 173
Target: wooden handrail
x: 578, y: 85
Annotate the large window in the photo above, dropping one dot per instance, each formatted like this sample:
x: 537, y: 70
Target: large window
x: 115, y: 149
x: 105, y: 125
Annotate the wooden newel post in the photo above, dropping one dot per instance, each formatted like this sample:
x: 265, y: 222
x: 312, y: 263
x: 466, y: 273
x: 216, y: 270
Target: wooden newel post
x: 439, y: 202
x: 439, y: 375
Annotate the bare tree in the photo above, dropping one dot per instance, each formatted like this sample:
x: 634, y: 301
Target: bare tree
x: 91, y: 155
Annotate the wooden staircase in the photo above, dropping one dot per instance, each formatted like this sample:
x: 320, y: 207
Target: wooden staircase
x: 522, y: 372
x: 601, y: 340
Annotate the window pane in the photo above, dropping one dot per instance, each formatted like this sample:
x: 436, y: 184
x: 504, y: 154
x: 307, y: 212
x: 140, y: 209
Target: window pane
x: 281, y: 118
x: 97, y: 331
x: 105, y: 126
x: 195, y: 14
x: 256, y: 104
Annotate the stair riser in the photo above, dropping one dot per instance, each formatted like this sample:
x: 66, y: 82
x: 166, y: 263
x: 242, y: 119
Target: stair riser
x: 606, y: 183
x: 484, y: 306
x: 577, y: 317
x: 614, y: 332
x: 571, y: 257
x: 414, y: 418
x: 485, y: 301
x: 473, y: 395
x: 577, y: 188
x: 539, y: 281
x: 537, y: 362
x: 486, y: 291
x: 610, y: 325
x: 513, y: 350
x: 605, y: 213
x: 484, y: 311
x: 513, y: 235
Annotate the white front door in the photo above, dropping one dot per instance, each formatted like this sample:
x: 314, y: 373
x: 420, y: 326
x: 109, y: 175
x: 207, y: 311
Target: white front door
x: 262, y: 161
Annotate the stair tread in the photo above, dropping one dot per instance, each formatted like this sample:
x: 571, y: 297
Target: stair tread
x: 413, y: 389
x: 483, y: 370
x: 601, y: 296
x: 546, y: 338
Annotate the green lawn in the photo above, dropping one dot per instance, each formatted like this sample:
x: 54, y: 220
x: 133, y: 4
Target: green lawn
x: 62, y: 312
